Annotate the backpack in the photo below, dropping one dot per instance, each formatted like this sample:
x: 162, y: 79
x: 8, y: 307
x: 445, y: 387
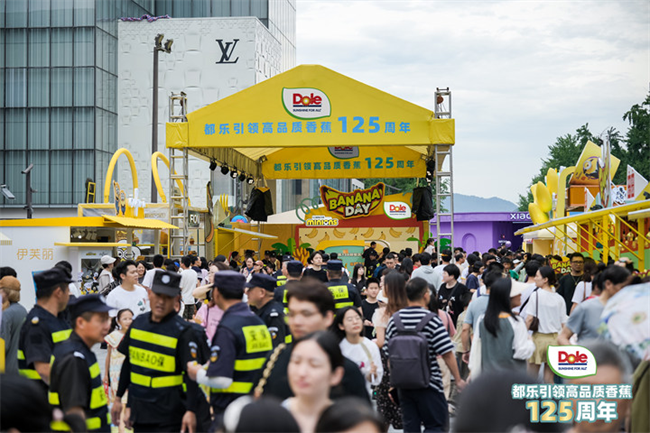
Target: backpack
x: 408, y: 354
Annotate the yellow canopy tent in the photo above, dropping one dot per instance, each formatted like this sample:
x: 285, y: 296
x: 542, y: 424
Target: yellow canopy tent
x: 313, y: 123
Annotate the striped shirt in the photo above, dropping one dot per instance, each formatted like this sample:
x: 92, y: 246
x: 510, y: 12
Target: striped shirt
x: 437, y: 336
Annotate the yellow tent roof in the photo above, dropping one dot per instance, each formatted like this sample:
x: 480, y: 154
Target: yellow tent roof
x: 301, y: 123
x: 101, y: 221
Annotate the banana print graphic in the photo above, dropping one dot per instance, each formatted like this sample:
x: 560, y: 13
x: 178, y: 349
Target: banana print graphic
x: 312, y: 234
x: 354, y: 230
x: 338, y: 233
x: 394, y: 233
x: 369, y: 233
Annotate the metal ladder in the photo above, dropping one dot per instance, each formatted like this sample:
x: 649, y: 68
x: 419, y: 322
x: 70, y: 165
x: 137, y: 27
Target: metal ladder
x: 178, y: 171
x: 443, y: 176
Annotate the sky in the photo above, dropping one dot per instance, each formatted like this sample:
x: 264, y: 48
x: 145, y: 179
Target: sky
x: 521, y: 73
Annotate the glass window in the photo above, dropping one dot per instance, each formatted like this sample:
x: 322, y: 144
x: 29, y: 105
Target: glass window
x: 61, y: 87
x: 84, y: 168
x: 84, y: 128
x: 40, y: 177
x: 200, y: 8
x: 61, y: 178
x: 220, y: 8
x: 16, y: 87
x: 2, y: 92
x: 61, y: 128
x: 99, y: 129
x: 61, y: 47
x: 62, y: 13
x: 15, y: 162
x: 260, y: 8
x: 164, y: 7
x: 241, y: 8
x: 16, y: 49
x: 39, y: 87
x: 39, y: 47
x: 39, y: 129
x: 182, y: 9
x: 84, y: 46
x: 2, y: 45
x: 16, y: 13
x: 2, y: 135
x: 84, y: 87
x: 39, y: 13
x: 84, y: 12
x: 112, y: 132
x: 16, y: 129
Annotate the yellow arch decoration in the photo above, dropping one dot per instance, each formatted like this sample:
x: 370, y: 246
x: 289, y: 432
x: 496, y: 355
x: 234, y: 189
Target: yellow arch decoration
x: 156, y: 177
x: 111, y: 167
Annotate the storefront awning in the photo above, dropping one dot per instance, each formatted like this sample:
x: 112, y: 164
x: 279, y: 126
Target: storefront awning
x: 139, y: 223
x: 247, y: 232
x: 313, y: 123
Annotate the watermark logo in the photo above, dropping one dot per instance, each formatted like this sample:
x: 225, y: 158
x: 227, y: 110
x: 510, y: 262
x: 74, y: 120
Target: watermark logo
x: 397, y: 210
x: 306, y: 103
x: 571, y: 362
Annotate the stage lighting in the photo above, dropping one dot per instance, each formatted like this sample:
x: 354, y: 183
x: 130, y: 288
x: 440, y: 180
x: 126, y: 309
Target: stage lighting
x: 242, y: 177
x: 233, y: 173
x: 168, y: 45
x: 224, y: 169
x: 250, y: 181
x: 213, y: 165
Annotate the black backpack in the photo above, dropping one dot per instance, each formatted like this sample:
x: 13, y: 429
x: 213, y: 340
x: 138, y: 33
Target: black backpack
x: 408, y: 354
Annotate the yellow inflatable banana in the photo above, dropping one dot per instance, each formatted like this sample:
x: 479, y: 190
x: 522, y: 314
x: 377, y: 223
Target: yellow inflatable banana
x: 354, y: 230
x: 543, y: 197
x: 394, y: 233
x: 312, y: 234
x: 369, y: 233
x: 552, y: 181
x: 382, y: 236
x: 536, y: 214
x: 338, y: 233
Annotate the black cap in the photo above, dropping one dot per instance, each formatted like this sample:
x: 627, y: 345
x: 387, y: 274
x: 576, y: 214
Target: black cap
x: 51, y: 277
x: 220, y: 258
x: 286, y: 258
x: 335, y: 265
x: 229, y: 281
x: 264, y: 281
x: 166, y: 283
x: 94, y: 303
x: 294, y: 266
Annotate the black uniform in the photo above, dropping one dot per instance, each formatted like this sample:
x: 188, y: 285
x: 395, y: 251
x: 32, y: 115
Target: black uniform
x: 76, y: 382
x: 200, y: 351
x: 345, y: 294
x: 40, y: 332
x: 239, y: 349
x: 157, y: 354
x: 273, y: 317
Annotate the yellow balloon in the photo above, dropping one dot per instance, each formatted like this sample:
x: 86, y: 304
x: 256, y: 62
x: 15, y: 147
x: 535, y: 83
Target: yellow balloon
x: 536, y: 214
x: 552, y: 180
x: 533, y: 187
x: 543, y: 197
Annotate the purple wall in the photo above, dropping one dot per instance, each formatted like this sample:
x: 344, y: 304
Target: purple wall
x: 483, y: 230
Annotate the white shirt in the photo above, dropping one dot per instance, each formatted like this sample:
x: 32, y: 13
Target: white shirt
x: 148, y: 277
x: 438, y: 270
x: 136, y: 300
x: 358, y: 355
x: 582, y: 292
x: 74, y: 290
x: 188, y: 284
x: 551, y: 312
x: 524, y: 296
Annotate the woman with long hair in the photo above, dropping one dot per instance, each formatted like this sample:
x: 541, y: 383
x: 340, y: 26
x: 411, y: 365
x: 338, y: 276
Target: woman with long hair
x: 358, y: 278
x: 315, y: 270
x: 316, y: 365
x: 348, y: 327
x: 505, y: 343
x: 406, y: 267
x: 545, y: 313
x: 583, y: 288
x: 394, y: 289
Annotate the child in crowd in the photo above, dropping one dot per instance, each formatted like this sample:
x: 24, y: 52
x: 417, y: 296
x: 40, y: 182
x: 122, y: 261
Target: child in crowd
x: 115, y: 359
x: 369, y: 306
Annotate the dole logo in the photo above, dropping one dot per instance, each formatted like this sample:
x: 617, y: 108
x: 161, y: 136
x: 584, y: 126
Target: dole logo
x: 306, y: 103
x: 397, y: 210
x: 571, y: 362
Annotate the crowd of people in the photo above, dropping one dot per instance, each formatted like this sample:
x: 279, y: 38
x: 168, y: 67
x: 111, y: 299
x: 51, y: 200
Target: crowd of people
x: 271, y: 344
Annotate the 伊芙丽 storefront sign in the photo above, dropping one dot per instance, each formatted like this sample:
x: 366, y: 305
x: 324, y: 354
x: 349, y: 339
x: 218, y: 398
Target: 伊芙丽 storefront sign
x: 358, y: 203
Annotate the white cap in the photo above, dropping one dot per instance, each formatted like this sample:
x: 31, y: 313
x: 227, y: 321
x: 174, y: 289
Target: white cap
x: 517, y: 288
x: 381, y: 297
x: 107, y: 260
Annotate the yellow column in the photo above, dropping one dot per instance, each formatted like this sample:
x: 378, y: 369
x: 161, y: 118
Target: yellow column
x: 604, y: 238
x: 561, y: 201
x: 641, y: 243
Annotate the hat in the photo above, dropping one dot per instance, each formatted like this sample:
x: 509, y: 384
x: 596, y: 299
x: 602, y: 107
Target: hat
x: 10, y: 283
x: 229, y: 281
x: 294, y: 266
x: 516, y: 261
x: 50, y: 278
x: 382, y: 297
x: 286, y: 258
x: 334, y: 265
x: 166, y: 283
x: 220, y: 258
x: 107, y: 260
x: 517, y: 288
x: 94, y: 303
x: 264, y: 281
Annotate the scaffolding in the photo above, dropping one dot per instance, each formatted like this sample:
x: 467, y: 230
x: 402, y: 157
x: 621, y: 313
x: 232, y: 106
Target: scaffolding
x: 443, y: 174
x: 178, y: 173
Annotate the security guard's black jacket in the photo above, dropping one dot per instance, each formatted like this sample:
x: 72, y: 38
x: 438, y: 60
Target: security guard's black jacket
x: 161, y: 405
x: 273, y: 317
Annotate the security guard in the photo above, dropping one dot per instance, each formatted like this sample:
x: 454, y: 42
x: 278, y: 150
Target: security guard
x: 76, y: 385
x: 158, y: 346
x: 260, y: 295
x: 281, y: 274
x: 345, y: 295
x: 44, y: 326
x: 294, y: 272
x: 238, y: 349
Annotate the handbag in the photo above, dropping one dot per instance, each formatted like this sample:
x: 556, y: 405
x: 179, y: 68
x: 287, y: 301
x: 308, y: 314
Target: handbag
x: 534, y: 325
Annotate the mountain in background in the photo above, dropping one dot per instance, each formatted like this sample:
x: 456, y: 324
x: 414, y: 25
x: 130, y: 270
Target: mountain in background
x: 471, y: 203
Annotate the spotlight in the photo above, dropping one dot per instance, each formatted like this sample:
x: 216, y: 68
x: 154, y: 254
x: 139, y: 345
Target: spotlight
x: 224, y: 169
x: 242, y: 177
x: 233, y: 173
x: 8, y: 194
x: 431, y: 168
x: 158, y: 40
x: 250, y: 181
x: 213, y: 165
x: 168, y: 45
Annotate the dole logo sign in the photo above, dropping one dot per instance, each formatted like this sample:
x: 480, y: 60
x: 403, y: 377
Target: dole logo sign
x: 571, y: 362
x: 397, y: 210
x: 358, y: 203
x: 306, y: 103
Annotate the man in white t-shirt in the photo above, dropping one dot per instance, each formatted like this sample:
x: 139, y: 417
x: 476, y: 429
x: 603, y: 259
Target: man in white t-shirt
x: 531, y: 269
x: 189, y: 281
x: 128, y: 294
x: 158, y: 261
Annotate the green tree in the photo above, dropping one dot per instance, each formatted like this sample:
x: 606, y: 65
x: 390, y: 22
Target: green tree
x: 637, y: 138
